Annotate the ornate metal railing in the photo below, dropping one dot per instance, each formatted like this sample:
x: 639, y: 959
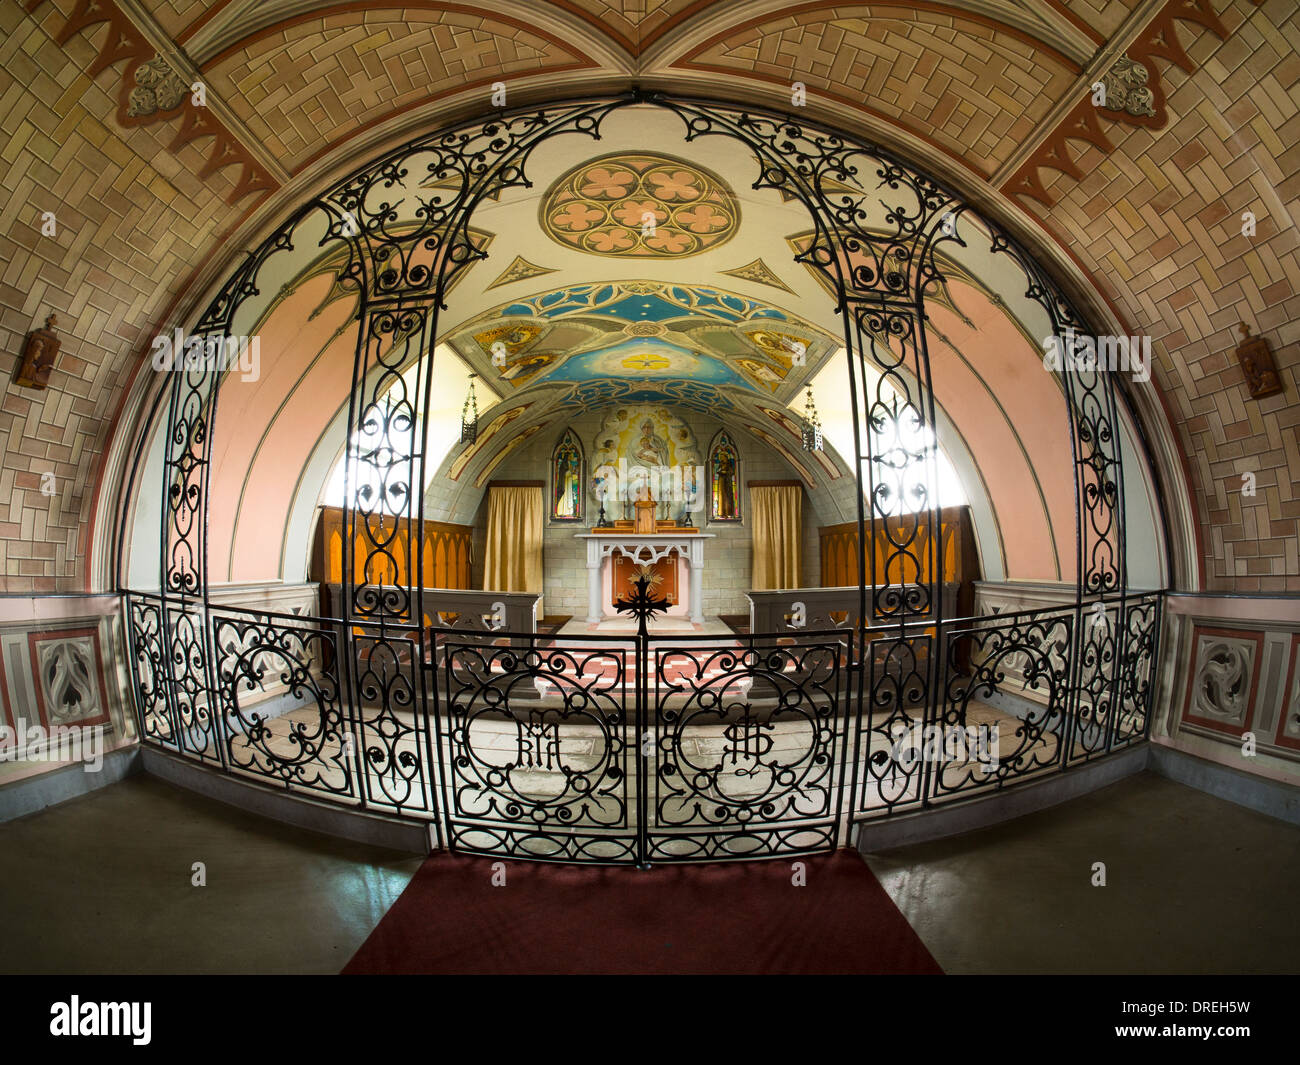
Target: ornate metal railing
x: 644, y: 749
x: 694, y: 748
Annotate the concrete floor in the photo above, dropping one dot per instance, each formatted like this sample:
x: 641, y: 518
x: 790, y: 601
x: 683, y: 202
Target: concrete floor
x: 102, y: 884
x: 1193, y: 885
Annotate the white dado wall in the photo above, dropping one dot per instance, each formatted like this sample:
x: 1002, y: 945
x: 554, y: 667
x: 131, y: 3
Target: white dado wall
x: 728, y: 558
x: 63, y: 673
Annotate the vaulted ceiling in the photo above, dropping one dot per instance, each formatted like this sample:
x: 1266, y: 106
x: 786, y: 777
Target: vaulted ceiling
x: 1137, y: 203
x: 600, y: 287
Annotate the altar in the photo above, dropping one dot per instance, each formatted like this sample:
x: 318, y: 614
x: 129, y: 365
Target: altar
x: 642, y: 549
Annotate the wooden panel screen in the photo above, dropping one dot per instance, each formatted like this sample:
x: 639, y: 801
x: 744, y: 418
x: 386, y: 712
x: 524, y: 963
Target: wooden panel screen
x: 839, y: 552
x: 446, y: 550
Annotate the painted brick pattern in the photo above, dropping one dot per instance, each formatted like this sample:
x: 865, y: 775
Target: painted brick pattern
x: 975, y: 90
x: 631, y: 22
x: 132, y: 219
x: 311, y: 84
x: 1158, y: 224
x: 175, y: 15
x: 1105, y: 16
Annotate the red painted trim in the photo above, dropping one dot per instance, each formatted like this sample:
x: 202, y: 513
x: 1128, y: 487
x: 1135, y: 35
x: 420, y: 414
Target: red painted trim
x: 33, y: 638
x: 1158, y: 38
x: 207, y: 16
x: 1236, y: 634
x: 1281, y: 739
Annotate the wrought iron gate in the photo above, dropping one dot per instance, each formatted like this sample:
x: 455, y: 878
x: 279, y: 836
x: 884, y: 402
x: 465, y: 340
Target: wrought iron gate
x: 643, y: 750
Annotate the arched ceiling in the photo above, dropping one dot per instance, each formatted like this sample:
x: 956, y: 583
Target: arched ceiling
x: 648, y: 333
x: 558, y: 325
x: 156, y: 196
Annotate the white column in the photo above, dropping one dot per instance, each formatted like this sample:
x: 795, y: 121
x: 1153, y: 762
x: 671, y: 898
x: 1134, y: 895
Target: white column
x: 696, y: 549
x: 593, y: 583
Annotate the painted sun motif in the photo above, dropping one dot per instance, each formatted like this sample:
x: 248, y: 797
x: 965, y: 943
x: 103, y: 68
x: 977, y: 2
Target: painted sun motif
x: 651, y: 206
x: 647, y: 364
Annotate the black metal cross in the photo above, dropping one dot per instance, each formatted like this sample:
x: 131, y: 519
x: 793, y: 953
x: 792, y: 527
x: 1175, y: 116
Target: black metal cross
x: 641, y: 604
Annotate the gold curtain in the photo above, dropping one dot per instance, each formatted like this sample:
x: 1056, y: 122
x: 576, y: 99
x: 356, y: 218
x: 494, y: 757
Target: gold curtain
x: 513, y: 561
x: 778, y: 534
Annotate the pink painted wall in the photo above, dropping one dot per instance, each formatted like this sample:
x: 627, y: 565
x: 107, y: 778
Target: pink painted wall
x: 1012, y: 414
x: 266, y: 430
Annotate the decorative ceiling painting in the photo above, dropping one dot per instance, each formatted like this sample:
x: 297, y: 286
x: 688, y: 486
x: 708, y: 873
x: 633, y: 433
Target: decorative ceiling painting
x: 520, y: 270
x: 654, y: 301
x: 691, y: 395
x: 645, y: 345
x: 646, y: 331
x: 648, y: 205
x: 760, y: 274
x: 650, y: 358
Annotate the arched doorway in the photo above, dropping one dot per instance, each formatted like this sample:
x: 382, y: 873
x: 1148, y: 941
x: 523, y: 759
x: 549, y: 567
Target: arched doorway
x: 631, y: 749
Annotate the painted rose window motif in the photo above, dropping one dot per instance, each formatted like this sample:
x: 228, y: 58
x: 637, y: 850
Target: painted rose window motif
x: 645, y: 205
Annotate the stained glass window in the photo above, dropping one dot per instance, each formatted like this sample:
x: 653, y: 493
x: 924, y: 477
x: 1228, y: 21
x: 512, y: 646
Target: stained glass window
x: 566, y: 479
x: 724, y: 480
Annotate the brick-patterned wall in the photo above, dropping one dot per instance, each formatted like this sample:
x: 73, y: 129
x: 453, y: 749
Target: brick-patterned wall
x: 132, y: 220
x: 1158, y: 224
x: 308, y: 85
x: 1103, y: 15
x: 974, y: 89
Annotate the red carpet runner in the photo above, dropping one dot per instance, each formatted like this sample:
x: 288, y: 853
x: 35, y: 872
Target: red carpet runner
x: 744, y: 917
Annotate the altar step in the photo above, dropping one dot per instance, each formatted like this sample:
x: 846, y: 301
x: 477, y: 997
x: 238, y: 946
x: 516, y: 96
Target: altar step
x: 662, y: 626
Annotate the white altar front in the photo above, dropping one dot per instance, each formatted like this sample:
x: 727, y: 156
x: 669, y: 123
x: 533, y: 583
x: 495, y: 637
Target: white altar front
x: 645, y: 549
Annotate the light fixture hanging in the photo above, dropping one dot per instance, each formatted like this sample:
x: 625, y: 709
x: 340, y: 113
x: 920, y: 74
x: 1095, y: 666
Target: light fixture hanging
x: 469, y: 415
x: 812, y: 426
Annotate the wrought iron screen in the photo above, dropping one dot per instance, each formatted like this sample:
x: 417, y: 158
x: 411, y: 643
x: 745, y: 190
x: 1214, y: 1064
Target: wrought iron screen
x: 638, y: 750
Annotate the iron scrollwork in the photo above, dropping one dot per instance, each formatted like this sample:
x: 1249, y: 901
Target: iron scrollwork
x: 536, y: 749
x: 617, y: 751
x: 747, y: 752
x: 281, y: 708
